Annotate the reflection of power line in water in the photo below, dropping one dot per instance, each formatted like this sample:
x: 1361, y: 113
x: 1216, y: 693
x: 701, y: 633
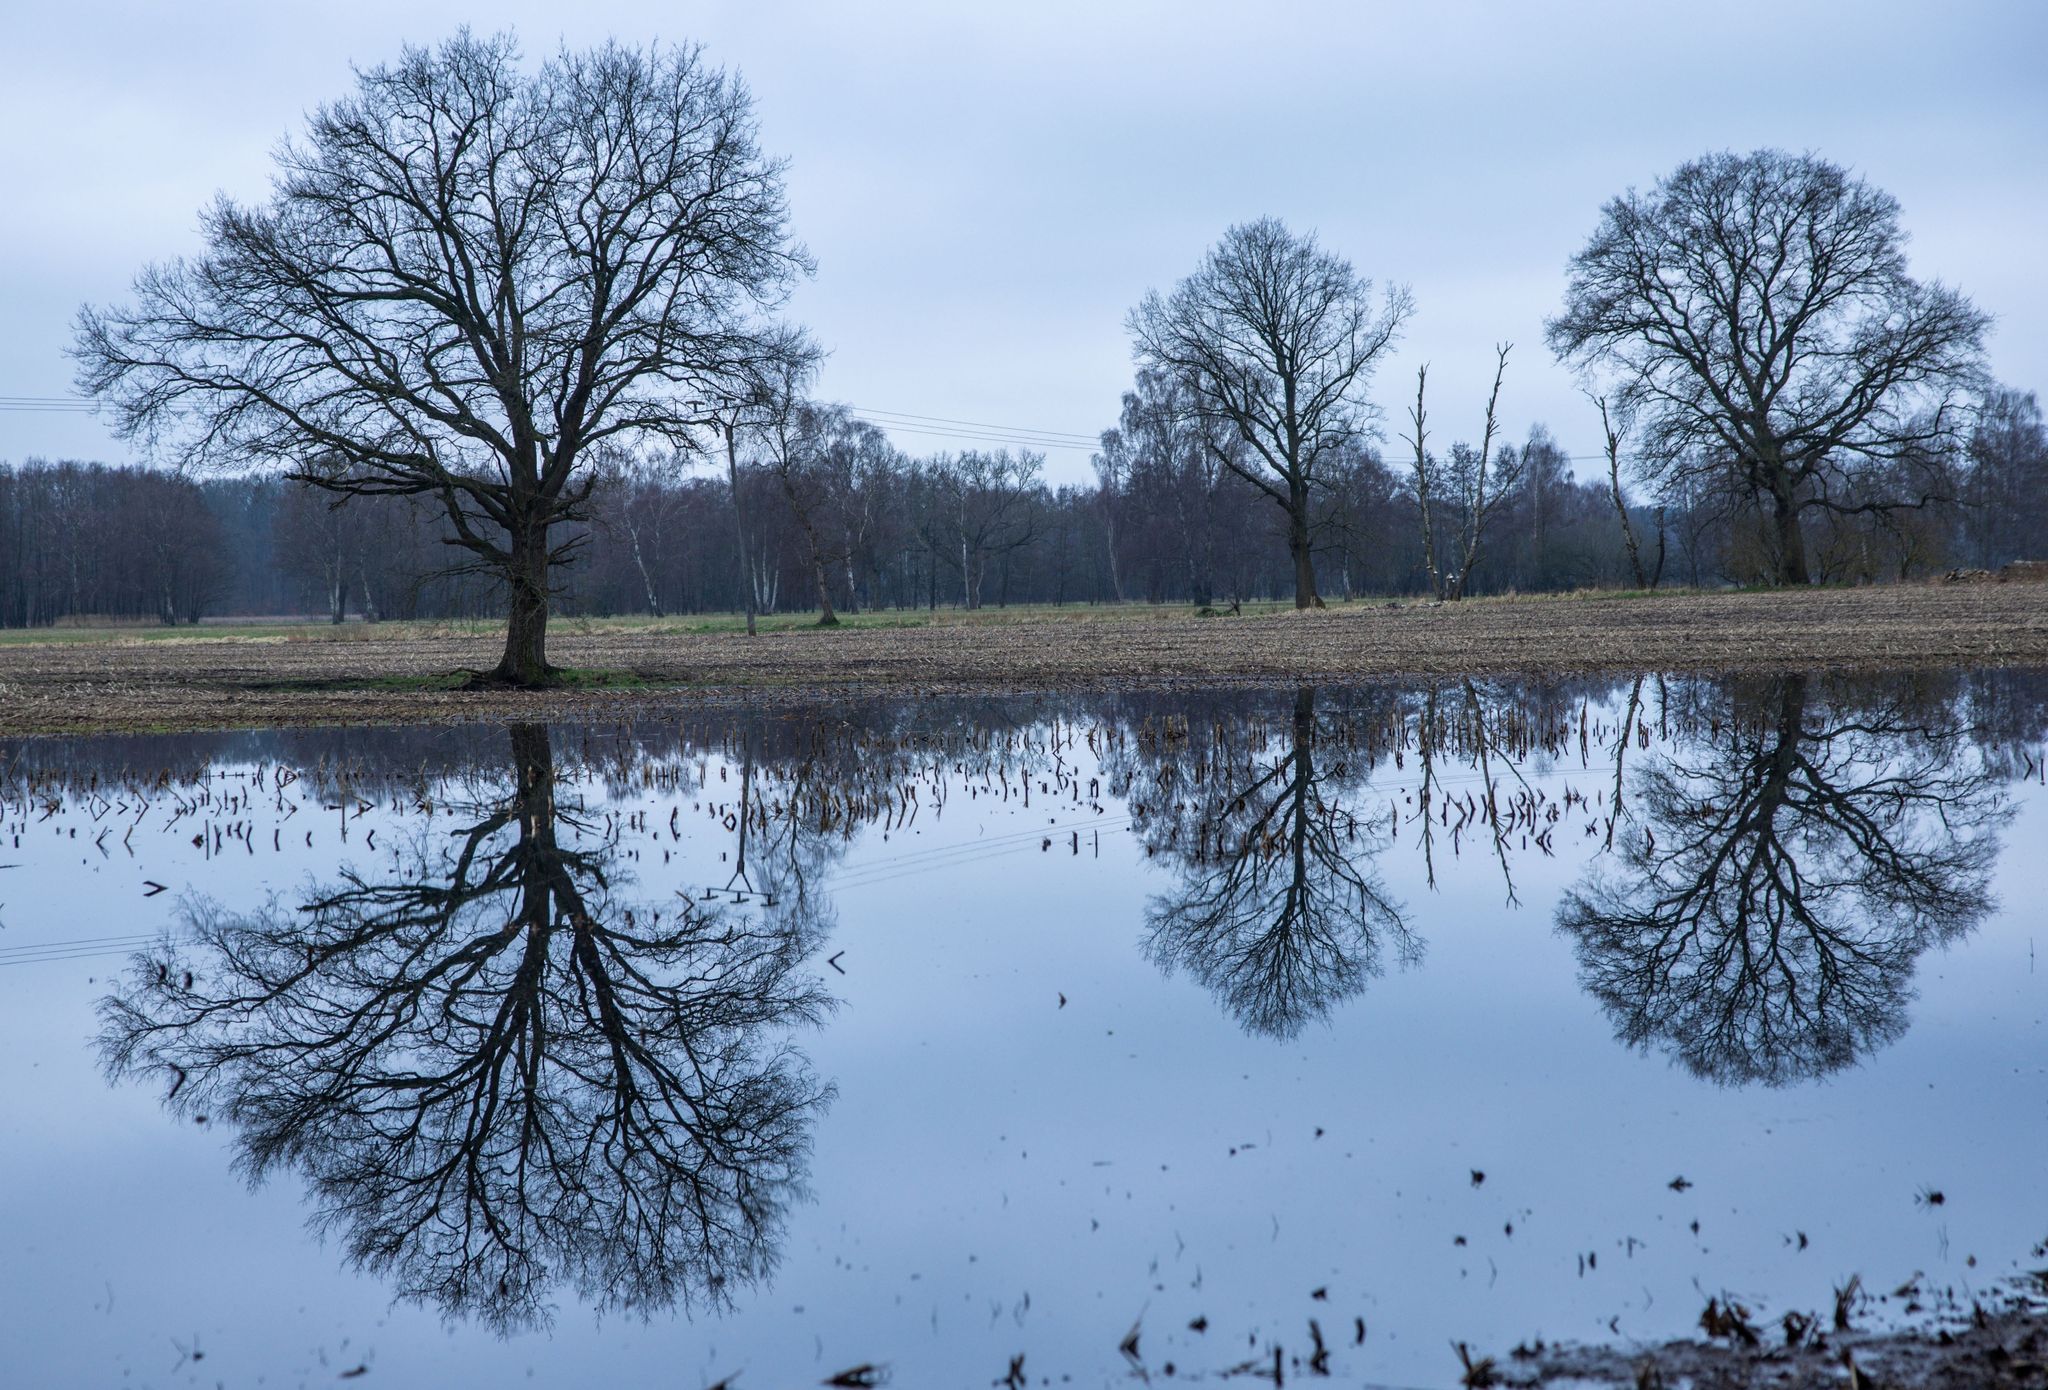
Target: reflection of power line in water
x: 887, y: 867
x: 882, y: 869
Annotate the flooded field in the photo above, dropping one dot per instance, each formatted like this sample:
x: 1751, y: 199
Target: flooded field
x: 1023, y: 1041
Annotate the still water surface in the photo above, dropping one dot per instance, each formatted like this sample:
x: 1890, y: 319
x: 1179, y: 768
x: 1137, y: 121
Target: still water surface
x: 922, y: 1036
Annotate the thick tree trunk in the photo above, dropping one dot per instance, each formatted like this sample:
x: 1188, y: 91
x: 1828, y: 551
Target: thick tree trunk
x: 534, y: 760
x: 1791, y: 543
x: 1305, y: 595
x: 525, y: 662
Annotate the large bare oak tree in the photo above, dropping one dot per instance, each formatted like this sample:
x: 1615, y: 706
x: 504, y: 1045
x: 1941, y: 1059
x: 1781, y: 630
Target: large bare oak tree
x: 1758, y: 316
x: 1275, y: 339
x: 468, y: 277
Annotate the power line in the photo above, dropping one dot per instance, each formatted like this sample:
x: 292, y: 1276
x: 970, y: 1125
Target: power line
x: 893, y: 421
x: 1069, y: 435
x: 63, y: 405
x: 1021, y: 441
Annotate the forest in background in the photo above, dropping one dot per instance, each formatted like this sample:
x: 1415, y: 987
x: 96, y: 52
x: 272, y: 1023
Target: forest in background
x: 841, y: 508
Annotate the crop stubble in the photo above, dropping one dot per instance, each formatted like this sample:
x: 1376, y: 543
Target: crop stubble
x: 117, y: 684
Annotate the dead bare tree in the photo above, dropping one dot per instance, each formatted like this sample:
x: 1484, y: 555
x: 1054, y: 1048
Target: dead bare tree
x: 1425, y: 481
x: 1275, y: 339
x: 469, y: 276
x: 1474, y: 479
x: 1612, y: 429
x: 1479, y: 495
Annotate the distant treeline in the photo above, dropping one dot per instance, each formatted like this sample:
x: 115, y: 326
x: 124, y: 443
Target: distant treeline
x: 875, y: 528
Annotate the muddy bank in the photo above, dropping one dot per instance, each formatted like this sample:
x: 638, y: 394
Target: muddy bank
x: 1976, y: 1350
x: 315, y: 676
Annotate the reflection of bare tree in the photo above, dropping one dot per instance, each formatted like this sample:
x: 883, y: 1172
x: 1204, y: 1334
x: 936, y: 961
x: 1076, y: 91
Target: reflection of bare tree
x: 780, y: 855
x: 1776, y: 888
x: 496, y: 1077
x: 1469, y: 731
x: 1278, y: 912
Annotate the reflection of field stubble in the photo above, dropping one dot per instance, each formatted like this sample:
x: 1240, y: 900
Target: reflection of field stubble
x: 386, y: 674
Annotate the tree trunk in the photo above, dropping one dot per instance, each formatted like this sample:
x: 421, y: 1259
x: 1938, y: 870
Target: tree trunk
x: 826, y: 617
x: 640, y: 563
x: 1305, y: 595
x: 732, y: 473
x: 1791, y: 543
x: 1628, y: 531
x: 1116, y: 578
x: 525, y: 662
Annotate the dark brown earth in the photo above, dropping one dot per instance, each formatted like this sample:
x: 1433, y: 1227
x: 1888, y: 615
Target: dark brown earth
x: 355, y: 675
x: 1999, y: 1350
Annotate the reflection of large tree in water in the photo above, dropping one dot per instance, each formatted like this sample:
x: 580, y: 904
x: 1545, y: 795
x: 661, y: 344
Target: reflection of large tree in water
x: 496, y: 1077
x: 1278, y: 911
x: 1782, y: 876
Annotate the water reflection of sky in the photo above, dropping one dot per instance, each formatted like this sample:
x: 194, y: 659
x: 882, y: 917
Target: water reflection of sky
x: 1283, y: 1052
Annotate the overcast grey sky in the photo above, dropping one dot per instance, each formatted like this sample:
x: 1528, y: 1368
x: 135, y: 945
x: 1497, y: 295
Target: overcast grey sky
x: 989, y: 188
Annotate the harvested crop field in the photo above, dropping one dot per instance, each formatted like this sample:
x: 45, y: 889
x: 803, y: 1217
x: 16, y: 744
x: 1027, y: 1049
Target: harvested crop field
x: 217, y: 678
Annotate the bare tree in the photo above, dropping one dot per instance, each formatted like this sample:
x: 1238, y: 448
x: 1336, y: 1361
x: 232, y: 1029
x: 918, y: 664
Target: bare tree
x: 1425, y: 480
x: 1614, y: 426
x: 467, y: 277
x: 643, y: 511
x: 861, y: 473
x: 815, y: 451
x: 1112, y: 465
x: 1479, y: 481
x: 2006, y: 492
x: 1472, y: 481
x: 987, y: 497
x: 1275, y: 339
x: 1757, y: 307
x: 1158, y: 487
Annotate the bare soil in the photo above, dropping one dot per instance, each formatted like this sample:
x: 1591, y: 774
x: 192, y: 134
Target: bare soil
x: 316, y: 675
x: 2004, y: 1350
